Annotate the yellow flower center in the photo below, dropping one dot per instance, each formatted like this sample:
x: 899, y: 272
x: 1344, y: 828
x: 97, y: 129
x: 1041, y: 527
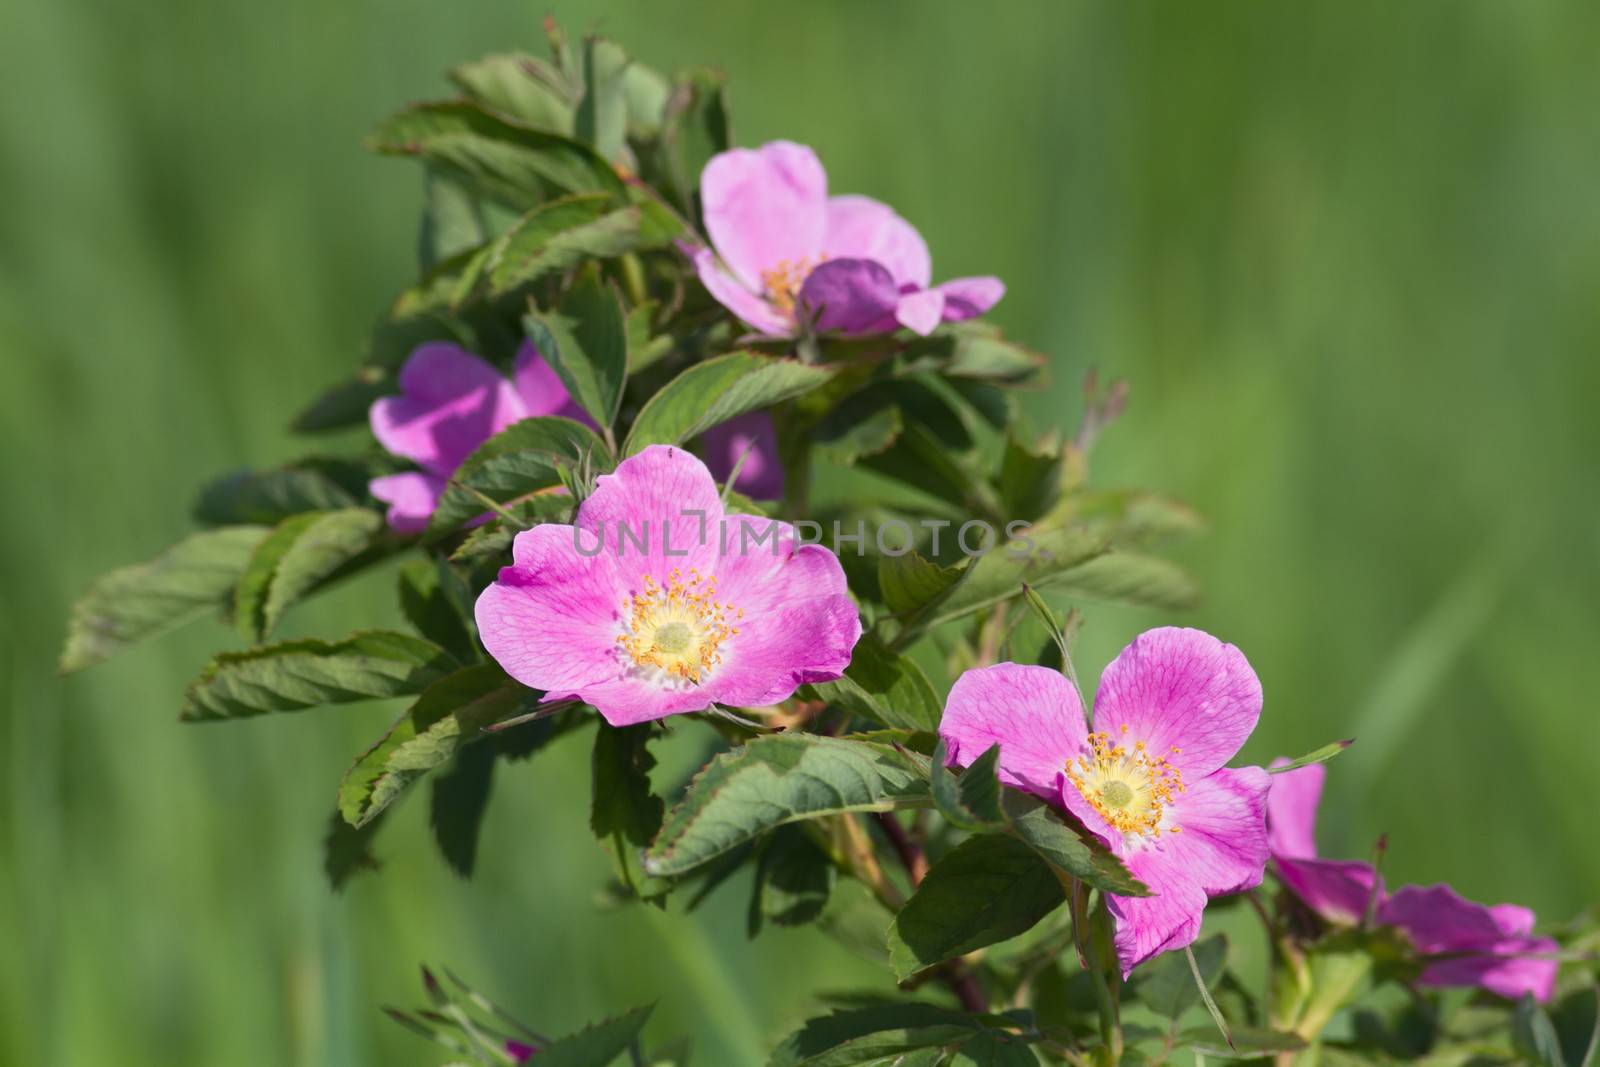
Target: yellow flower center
x: 782, y: 282
x: 1129, y: 787
x: 677, y: 627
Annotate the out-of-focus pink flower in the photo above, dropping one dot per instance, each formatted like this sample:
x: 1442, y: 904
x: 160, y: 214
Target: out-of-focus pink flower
x: 1173, y: 707
x: 450, y: 402
x: 1340, y: 891
x: 781, y: 248
x: 656, y: 602
x: 752, y: 438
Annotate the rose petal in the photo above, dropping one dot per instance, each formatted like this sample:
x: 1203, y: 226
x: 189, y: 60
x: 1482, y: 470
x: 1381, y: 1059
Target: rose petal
x: 1292, y: 810
x: 1510, y: 968
x: 450, y: 403
x: 765, y: 207
x: 1032, y: 713
x: 751, y: 436
x: 541, y: 390
x: 411, y: 496
x: 1185, y: 694
x: 860, y: 227
x: 1149, y: 926
x: 967, y: 298
x: 851, y: 296
x: 920, y: 312
x: 1222, y: 840
x: 1340, y: 891
x: 728, y: 292
x: 657, y: 512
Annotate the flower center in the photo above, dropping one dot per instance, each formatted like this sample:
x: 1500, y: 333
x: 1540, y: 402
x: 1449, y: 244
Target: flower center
x: 677, y: 627
x: 1130, y: 788
x: 782, y: 282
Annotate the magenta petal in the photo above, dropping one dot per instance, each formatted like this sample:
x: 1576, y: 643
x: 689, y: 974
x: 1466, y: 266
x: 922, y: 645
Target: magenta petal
x: 851, y: 296
x: 450, y: 403
x: 1340, y: 891
x: 540, y: 388
x: 1149, y: 926
x: 1292, y: 810
x: 1438, y: 919
x: 1185, y: 694
x: 920, y: 311
x: 751, y: 436
x: 1032, y: 713
x: 1223, y: 839
x: 860, y: 227
x: 764, y: 208
x: 1509, y: 968
x: 552, y: 618
x: 1481, y: 945
x: 411, y: 496
x: 967, y: 298
x: 731, y: 294
x: 659, y: 510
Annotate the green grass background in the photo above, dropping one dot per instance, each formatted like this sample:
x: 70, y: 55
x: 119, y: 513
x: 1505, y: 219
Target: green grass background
x: 1346, y: 253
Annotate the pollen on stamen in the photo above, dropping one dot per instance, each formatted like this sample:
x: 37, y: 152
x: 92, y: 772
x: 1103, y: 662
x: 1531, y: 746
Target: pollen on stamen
x: 678, y: 627
x: 1130, y: 790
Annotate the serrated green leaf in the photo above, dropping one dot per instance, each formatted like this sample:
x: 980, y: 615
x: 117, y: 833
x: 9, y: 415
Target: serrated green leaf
x: 910, y: 582
x: 560, y: 235
x: 990, y: 1049
x: 1131, y: 578
x: 1534, y: 1035
x: 1134, y: 518
x: 347, y: 850
x: 519, y: 86
x: 647, y: 92
x: 865, y: 1035
x: 585, y: 341
x: 456, y: 806
x: 1030, y: 479
x: 451, y: 712
x: 494, y: 537
x: 343, y: 405
x: 977, y: 350
x: 923, y: 460
x: 623, y: 811
x: 267, y: 497
x: 293, y: 675
x: 779, y: 779
x: 865, y: 424
x: 1071, y: 850
x: 192, y: 577
x: 885, y: 686
x: 1038, y: 558
x: 1249, y: 1043
x: 524, y: 458
x: 299, y: 554
x: 505, y: 160
x: 452, y: 220
x: 598, y: 1044
x: 644, y: 347
x: 989, y: 888
x: 717, y: 390
x: 602, y: 118
x: 694, y: 128
x: 794, y: 878
x: 971, y: 801
x: 435, y: 600
x: 1166, y: 985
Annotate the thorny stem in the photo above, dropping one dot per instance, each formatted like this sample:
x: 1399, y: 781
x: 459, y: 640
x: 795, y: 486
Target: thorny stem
x: 910, y: 853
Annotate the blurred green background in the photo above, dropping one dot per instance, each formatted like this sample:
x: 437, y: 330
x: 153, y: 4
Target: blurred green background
x: 1346, y: 253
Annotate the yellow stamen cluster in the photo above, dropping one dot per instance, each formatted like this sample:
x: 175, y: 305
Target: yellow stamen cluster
x: 783, y: 281
x: 678, y: 626
x: 1129, y: 787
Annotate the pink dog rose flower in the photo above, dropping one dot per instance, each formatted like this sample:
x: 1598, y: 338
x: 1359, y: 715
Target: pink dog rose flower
x: 1490, y: 946
x: 781, y: 246
x: 656, y: 602
x: 1173, y: 707
x: 450, y: 402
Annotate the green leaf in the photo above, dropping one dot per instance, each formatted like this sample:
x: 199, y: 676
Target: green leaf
x: 693, y: 129
x: 793, y: 881
x: 293, y: 675
x: 519, y: 86
x: 596, y: 1045
x: 884, y: 686
x: 1130, y: 578
x: 299, y: 555
x: 779, y: 779
x: 586, y: 342
x: 993, y: 1049
x: 127, y: 605
x: 1038, y: 558
x: 717, y: 390
x: 524, y: 458
x: 971, y: 801
x: 347, y: 850
x: 345, y: 404
x: 1320, y: 755
x: 561, y: 234
x: 269, y: 496
x: 1249, y: 1043
x: 452, y: 220
x: 457, y: 804
x: 923, y: 460
x: 450, y: 713
x: 494, y: 537
x: 874, y: 1034
x: 647, y: 93
x: 1534, y: 1035
x: 910, y: 582
x: 1167, y: 986
x: 1071, y: 850
x: 622, y: 809
x: 1052, y: 626
x: 602, y: 118
x: 435, y: 600
x: 865, y: 424
x: 644, y: 347
x: 1134, y: 518
x: 506, y: 161
x: 989, y: 888
x: 976, y: 350
x: 1030, y: 481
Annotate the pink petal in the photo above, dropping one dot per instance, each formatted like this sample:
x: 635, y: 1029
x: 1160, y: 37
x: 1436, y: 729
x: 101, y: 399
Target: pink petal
x: 658, y: 511
x: 551, y: 619
x: 411, y: 496
x: 765, y: 207
x: 1032, y: 713
x: 860, y: 227
x: 1438, y: 919
x: 1340, y: 891
x: 753, y: 437
x: 1222, y: 843
x: 920, y: 312
x: 1185, y: 694
x: 851, y: 296
x: 450, y: 403
x: 1149, y: 926
x: 1513, y: 920
x: 1509, y: 968
x: 728, y: 292
x: 967, y: 298
x: 540, y: 388
x: 1292, y: 810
